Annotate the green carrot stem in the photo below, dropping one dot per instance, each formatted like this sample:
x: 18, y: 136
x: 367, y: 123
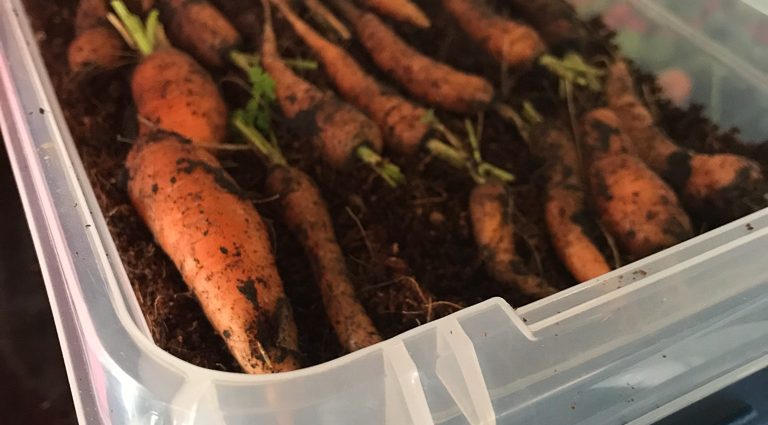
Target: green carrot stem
x: 572, y: 67
x: 242, y: 60
x: 139, y: 34
x: 262, y: 145
x: 388, y: 171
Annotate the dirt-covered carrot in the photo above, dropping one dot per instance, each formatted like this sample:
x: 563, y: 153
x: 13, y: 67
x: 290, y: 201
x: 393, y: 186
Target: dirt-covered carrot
x: 171, y: 90
x: 517, y: 45
x: 198, y: 27
x: 96, y: 46
x: 220, y: 245
x: 719, y: 185
x: 340, y: 132
x: 632, y: 202
x: 402, y: 10
x: 305, y: 213
x: 556, y: 21
x: 398, y: 119
x: 429, y: 80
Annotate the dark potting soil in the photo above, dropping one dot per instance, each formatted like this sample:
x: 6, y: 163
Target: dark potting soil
x: 409, y: 250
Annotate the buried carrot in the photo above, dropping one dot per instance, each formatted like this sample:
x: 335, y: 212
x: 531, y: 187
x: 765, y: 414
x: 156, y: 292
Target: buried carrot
x: 339, y: 131
x: 196, y: 213
x: 96, y: 46
x: 516, y: 45
x: 198, y: 27
x: 429, y: 80
x: 304, y: 212
x: 171, y: 90
x: 219, y: 243
x: 720, y: 185
x: 632, y: 202
x: 566, y: 213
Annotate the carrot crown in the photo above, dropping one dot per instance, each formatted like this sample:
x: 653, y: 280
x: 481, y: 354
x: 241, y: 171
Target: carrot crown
x: 573, y: 69
x: 142, y: 36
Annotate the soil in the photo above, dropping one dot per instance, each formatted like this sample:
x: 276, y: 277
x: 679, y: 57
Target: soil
x: 409, y: 250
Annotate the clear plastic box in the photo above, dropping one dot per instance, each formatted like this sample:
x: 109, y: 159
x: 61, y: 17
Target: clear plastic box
x: 629, y: 347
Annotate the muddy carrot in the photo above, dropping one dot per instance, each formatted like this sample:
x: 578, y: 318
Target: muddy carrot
x: 198, y: 27
x: 556, y: 21
x: 399, y: 120
x: 340, y: 132
x: 427, y: 79
x: 716, y: 184
x: 632, y: 202
x: 171, y: 90
x: 220, y: 245
x: 96, y: 46
x: 306, y: 215
x: 402, y: 10
x: 516, y: 45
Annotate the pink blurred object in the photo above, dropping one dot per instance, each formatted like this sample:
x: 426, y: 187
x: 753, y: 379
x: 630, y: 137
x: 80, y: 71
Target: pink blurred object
x: 621, y: 16
x: 676, y: 85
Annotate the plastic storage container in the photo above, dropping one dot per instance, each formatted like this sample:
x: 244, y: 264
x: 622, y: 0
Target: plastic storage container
x: 630, y: 347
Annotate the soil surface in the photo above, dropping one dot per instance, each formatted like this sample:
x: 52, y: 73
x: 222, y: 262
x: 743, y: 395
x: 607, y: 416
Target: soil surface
x: 409, y: 250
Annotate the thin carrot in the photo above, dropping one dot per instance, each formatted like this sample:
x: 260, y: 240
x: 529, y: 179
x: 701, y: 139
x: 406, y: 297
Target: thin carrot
x: 305, y: 213
x: 718, y: 183
x: 220, y: 245
x: 399, y: 120
x: 402, y: 10
x: 96, y: 45
x: 198, y: 27
x: 195, y: 211
x: 429, y: 80
x: 171, y: 90
x: 633, y: 203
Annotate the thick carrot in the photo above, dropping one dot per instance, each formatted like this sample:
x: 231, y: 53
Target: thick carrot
x: 219, y: 244
x: 402, y: 10
x: 717, y: 183
x: 512, y: 43
x: 556, y: 21
x: 429, y: 80
x: 198, y: 27
x: 490, y: 209
x: 633, y: 203
x: 304, y: 211
x: 570, y: 226
x: 399, y: 120
x: 96, y: 46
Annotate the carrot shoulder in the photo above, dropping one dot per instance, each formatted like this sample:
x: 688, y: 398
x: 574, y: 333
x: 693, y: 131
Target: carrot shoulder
x: 430, y: 80
x: 220, y: 245
x: 720, y: 182
x: 96, y: 45
x: 399, y: 120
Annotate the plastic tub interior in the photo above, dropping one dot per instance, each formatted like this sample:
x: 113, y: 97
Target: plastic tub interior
x: 632, y: 346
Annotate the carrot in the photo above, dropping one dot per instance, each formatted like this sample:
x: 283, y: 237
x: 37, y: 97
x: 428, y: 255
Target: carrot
x: 402, y: 10
x: 516, y: 45
x: 399, y: 120
x: 716, y: 184
x: 304, y: 212
x: 556, y: 21
x: 339, y: 132
x: 565, y: 210
x: 171, y: 90
x: 633, y: 203
x: 219, y: 244
x: 429, y: 80
x: 322, y: 14
x: 96, y: 45
x: 198, y: 27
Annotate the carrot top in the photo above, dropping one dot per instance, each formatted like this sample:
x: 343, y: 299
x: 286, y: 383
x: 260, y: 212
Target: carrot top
x: 142, y: 36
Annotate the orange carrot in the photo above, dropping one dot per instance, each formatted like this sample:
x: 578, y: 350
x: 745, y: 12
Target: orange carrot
x: 718, y: 184
x: 633, y: 203
x: 569, y: 223
x: 96, y: 45
x: 220, y: 245
x: 402, y: 10
x: 434, y: 82
x: 198, y: 27
x: 490, y: 209
x: 399, y: 120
